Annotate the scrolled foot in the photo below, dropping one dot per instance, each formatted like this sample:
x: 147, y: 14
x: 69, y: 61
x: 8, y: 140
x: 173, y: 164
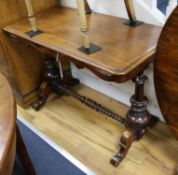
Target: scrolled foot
x: 125, y: 142
x: 43, y: 93
x: 116, y: 160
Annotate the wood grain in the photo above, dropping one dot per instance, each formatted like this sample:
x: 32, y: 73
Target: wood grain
x: 19, y: 59
x: 7, y: 128
x: 166, y: 72
x: 9, y: 133
x: 125, y: 50
x: 93, y: 139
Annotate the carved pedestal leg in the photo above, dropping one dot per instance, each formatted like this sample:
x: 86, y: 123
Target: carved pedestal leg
x: 138, y: 116
x: 87, y: 7
x: 50, y: 75
x: 138, y: 119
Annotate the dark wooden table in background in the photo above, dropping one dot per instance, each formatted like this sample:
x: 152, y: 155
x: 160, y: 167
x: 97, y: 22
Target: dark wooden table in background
x: 7, y: 128
x: 10, y: 136
x: 166, y: 72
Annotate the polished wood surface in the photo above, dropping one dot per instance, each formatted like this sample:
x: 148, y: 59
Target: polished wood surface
x: 16, y: 59
x: 124, y: 56
x: 166, y: 72
x: 8, y: 133
x: 92, y: 138
x: 124, y: 51
x: 7, y: 128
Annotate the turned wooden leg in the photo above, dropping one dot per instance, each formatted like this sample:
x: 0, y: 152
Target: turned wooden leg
x: 125, y: 143
x: 52, y: 73
x: 138, y: 119
x: 23, y: 154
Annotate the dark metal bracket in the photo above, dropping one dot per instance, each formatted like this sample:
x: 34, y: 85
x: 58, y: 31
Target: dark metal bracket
x: 32, y: 34
x: 133, y: 23
x: 93, y: 48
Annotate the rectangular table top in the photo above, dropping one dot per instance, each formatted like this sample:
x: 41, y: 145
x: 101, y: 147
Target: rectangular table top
x: 125, y: 49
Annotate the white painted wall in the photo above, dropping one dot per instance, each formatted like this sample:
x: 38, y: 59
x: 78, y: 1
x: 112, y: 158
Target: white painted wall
x: 117, y: 8
x: 120, y: 92
x: 172, y: 4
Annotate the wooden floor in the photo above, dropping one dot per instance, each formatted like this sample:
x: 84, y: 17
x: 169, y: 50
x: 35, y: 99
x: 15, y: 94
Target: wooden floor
x: 93, y: 138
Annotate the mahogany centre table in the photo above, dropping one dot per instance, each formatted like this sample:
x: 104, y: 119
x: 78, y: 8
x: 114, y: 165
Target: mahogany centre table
x: 126, y: 52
